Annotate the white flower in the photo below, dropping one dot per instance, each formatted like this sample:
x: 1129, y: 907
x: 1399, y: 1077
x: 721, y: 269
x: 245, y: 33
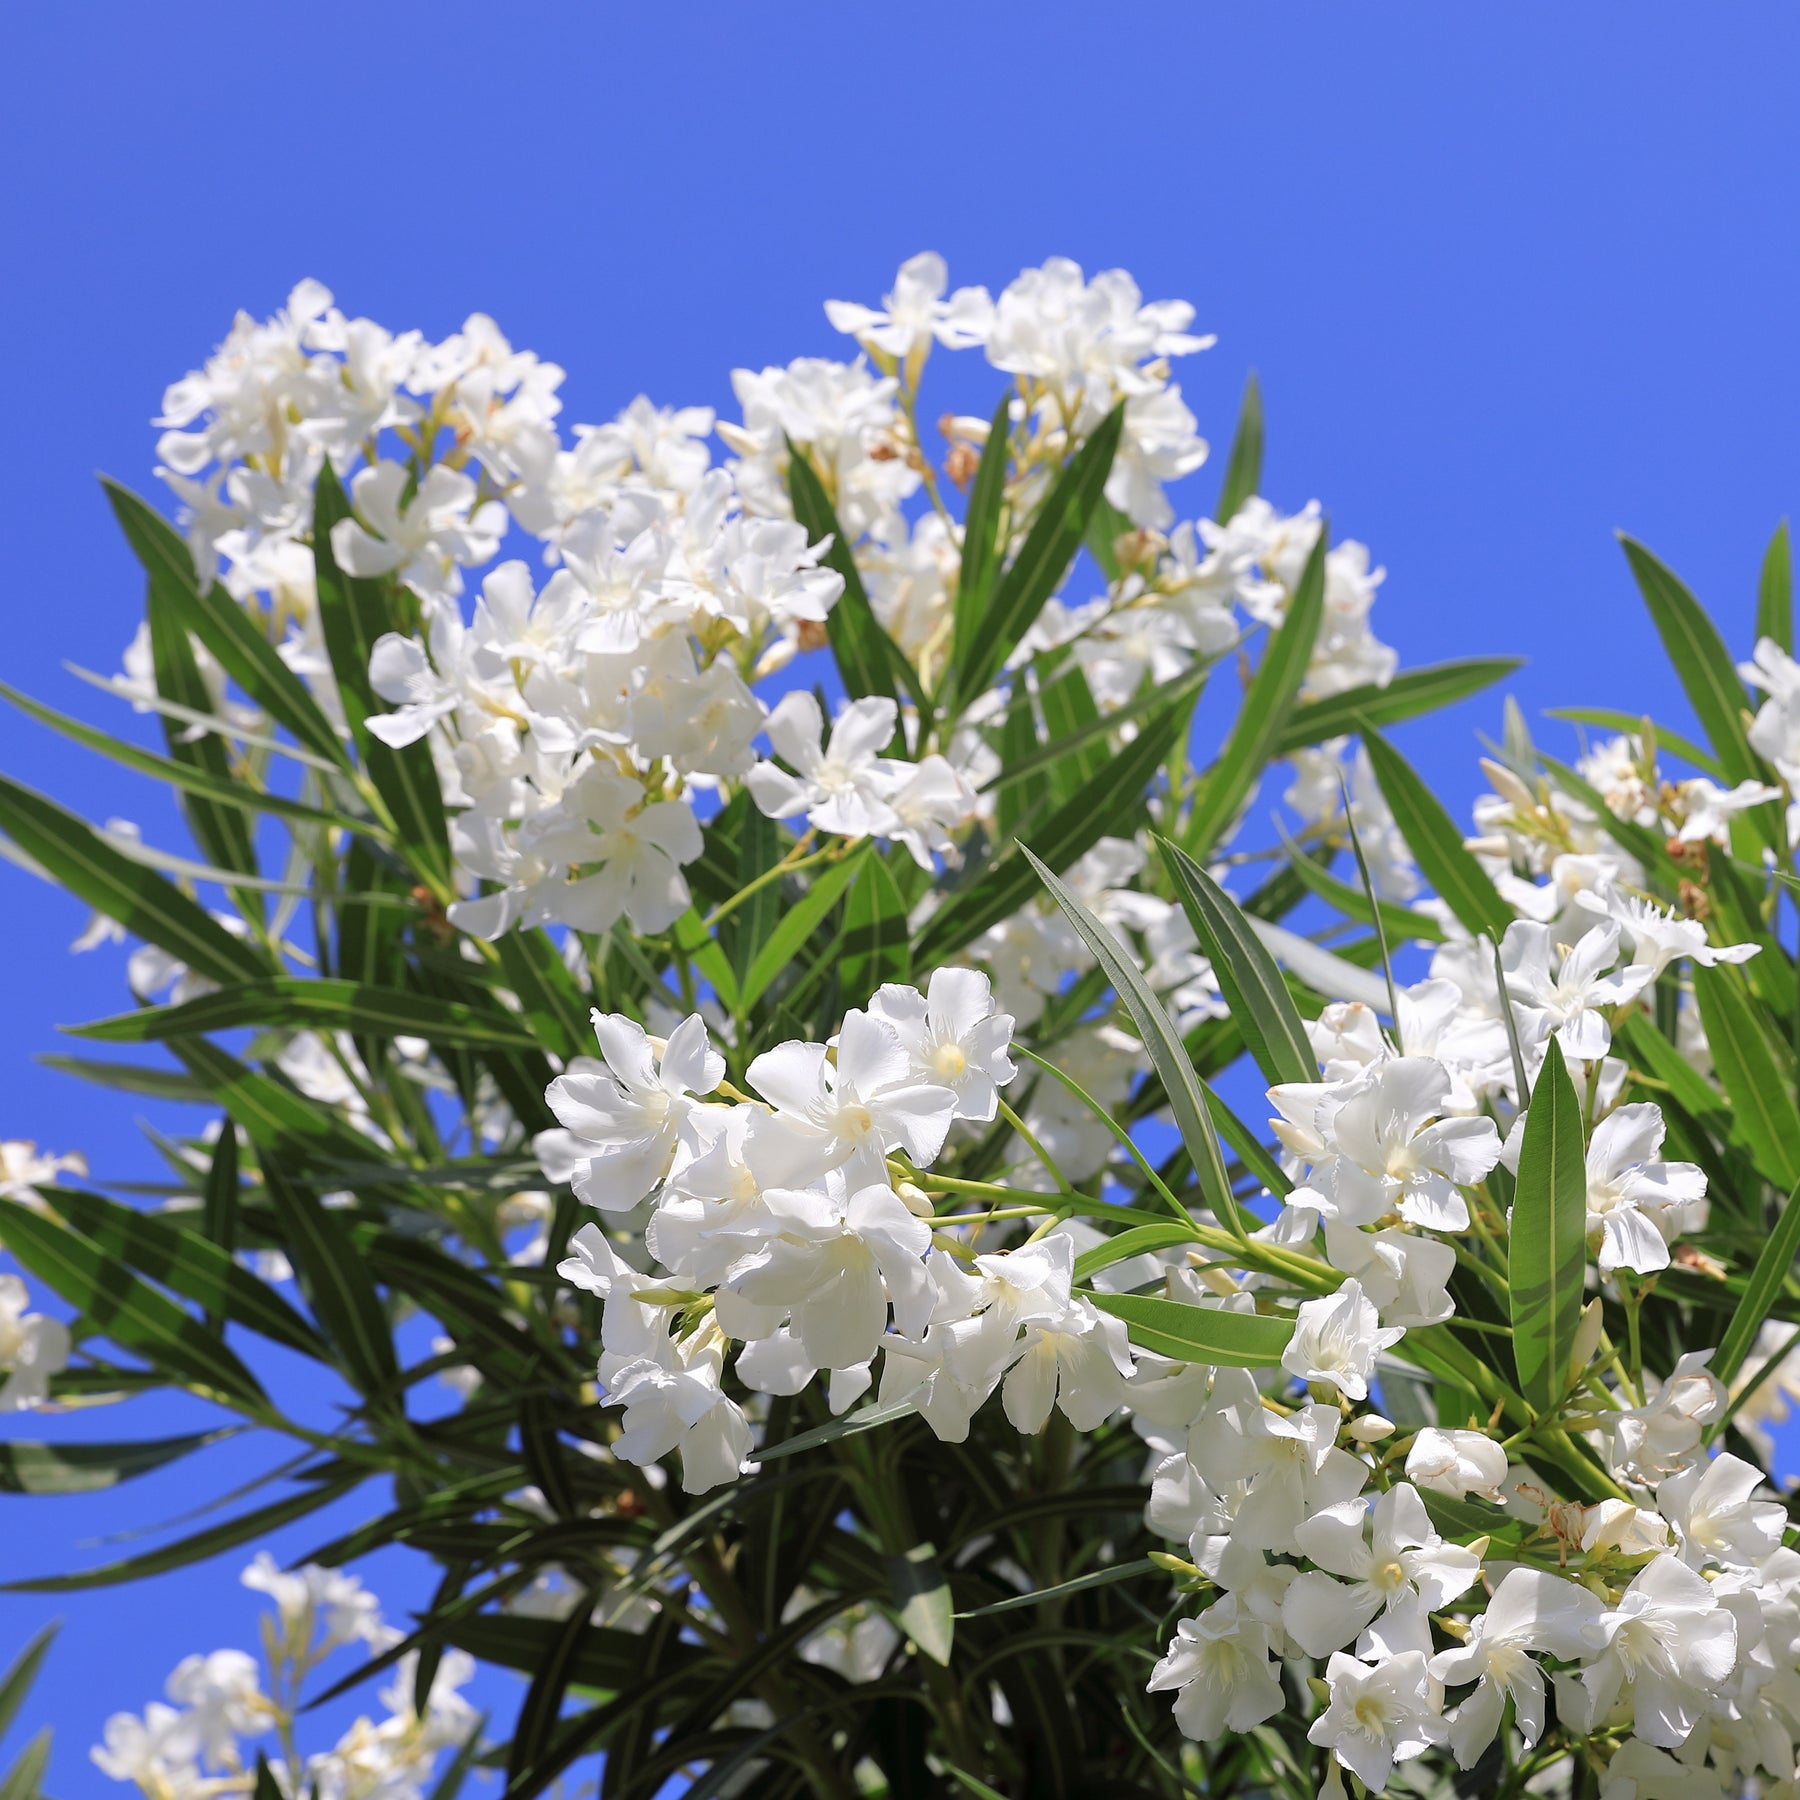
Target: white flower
x: 1375, y: 1151
x: 927, y: 805
x: 33, y: 1347
x: 1336, y: 1340
x: 427, y: 539
x: 870, y: 1103
x: 1710, y: 1506
x: 672, y: 1401
x: 1560, y: 988
x: 954, y: 1035
x: 1457, y: 1462
x: 1709, y: 808
x: 915, y: 311
x: 312, y: 1598
x: 625, y: 1121
x: 1635, y: 1203
x: 1403, y: 1561
x: 1660, y: 937
x: 1532, y: 1610
x: 1663, y: 1436
x: 1080, y: 1360
x: 1669, y: 1646
x: 224, y: 1699
x: 1220, y: 1664
x: 832, y: 1269
x: 1379, y: 1715
x: 846, y: 788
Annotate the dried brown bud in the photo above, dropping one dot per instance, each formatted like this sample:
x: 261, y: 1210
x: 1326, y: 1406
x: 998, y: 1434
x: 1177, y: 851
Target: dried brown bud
x: 962, y: 462
x: 1696, y: 903
x: 812, y: 635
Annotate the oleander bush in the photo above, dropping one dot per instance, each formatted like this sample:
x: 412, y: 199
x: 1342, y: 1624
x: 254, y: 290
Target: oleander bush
x: 733, y: 1036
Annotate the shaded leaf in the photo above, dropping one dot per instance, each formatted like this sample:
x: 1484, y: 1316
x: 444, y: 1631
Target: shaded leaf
x: 1199, y: 1334
x: 85, y: 1468
x: 922, y: 1604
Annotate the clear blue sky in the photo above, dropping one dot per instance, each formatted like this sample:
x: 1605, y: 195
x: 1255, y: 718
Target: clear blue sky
x: 1513, y: 277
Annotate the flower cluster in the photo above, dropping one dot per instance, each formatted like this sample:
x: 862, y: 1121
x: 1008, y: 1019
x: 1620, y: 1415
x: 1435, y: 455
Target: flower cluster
x: 225, y: 1706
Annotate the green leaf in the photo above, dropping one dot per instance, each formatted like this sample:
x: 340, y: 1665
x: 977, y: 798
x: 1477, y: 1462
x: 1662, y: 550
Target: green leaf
x: 353, y: 615
x: 1243, y: 469
x: 1773, y: 1265
x: 1168, y: 1055
x: 1267, y: 703
x: 707, y: 954
x: 246, y: 1528
x: 875, y: 945
x: 86, y: 1468
x: 555, y: 1006
x: 981, y: 544
x: 1073, y: 723
x: 542, y: 1706
x: 141, y: 900
x: 219, y: 623
x: 1114, y: 1572
x: 1036, y: 572
x: 1402, y: 924
x: 267, y: 1787
x: 1647, y: 846
x: 1632, y: 724
x: 229, y: 790
x: 1775, y: 591
x: 275, y: 1116
x: 222, y: 832
x: 15, y: 1684
x: 1405, y: 697
x: 1108, y: 803
x: 1140, y: 1240
x: 1431, y: 835
x: 335, y: 1280
x: 1254, y: 990
x: 198, y: 1267
x: 23, y: 1778
x: 1703, y: 664
x: 121, y: 1307
x: 868, y: 1419
x: 867, y: 658
x: 923, y: 1608
x: 1547, y: 1247
x: 1199, y: 1334
x: 131, y: 1078
x: 799, y: 922
x: 314, y: 1004
x: 1758, y: 1085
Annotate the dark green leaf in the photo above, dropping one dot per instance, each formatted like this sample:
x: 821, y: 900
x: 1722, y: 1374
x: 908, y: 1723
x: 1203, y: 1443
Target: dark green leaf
x: 335, y: 1280
x: 15, y: 1684
x: 1405, y: 697
x: 1199, y: 1334
x: 1253, y: 987
x: 315, y: 1005
x: 1754, y: 1074
x: 247, y: 1528
x: 1632, y: 724
x: 121, y: 1307
x: 1106, y: 804
x: 1267, y: 703
x: 131, y: 1078
x: 1775, y: 591
x: 1547, y: 1247
x: 1401, y: 922
x: 1436, y: 844
x: 1126, y: 1571
x: 144, y: 902
x: 542, y: 1707
x: 1243, y: 468
x: 219, y: 623
x: 1036, y: 572
x: 981, y: 531
x: 1156, y: 1030
x: 198, y: 1265
x: 85, y: 1468
x: 1773, y: 1265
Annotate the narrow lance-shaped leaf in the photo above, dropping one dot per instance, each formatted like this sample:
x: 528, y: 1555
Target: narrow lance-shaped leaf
x: 1043, y: 560
x: 541, y: 1708
x: 981, y: 545
x: 1431, y: 835
x: 922, y: 1603
x: 1547, y: 1247
x: 1267, y: 702
x: 798, y: 924
x: 1767, y: 1278
x: 876, y: 947
x: 335, y: 1280
x: 1758, y: 1086
x: 1107, y: 803
x: 1199, y: 1334
x: 1775, y: 591
x: 1168, y: 1055
x: 218, y: 621
x: 1243, y: 469
x: 1260, y: 1004
x: 86, y: 1468
x: 16, y: 1683
x: 144, y: 902
x: 1408, y: 695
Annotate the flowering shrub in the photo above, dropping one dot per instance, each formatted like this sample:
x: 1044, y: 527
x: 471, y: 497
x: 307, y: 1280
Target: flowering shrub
x: 721, y: 1041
